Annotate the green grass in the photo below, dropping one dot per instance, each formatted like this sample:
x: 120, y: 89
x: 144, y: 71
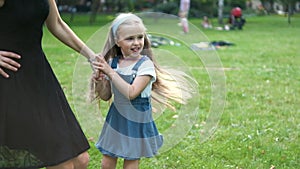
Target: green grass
x: 261, y: 120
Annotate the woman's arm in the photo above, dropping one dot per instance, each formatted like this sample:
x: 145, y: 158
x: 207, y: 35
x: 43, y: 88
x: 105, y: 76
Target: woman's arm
x: 63, y: 32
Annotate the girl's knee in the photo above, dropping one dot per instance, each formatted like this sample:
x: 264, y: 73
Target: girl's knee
x: 105, y: 165
x: 65, y: 165
x: 82, y: 161
x: 131, y: 164
x: 79, y: 162
x: 108, y: 162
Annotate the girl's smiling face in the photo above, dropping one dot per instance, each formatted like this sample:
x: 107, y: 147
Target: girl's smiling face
x: 131, y: 39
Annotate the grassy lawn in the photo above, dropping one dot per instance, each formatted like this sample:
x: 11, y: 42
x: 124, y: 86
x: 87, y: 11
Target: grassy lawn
x: 260, y: 124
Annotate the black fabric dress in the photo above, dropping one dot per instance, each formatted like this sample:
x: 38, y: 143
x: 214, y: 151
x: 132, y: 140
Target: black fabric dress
x: 37, y: 125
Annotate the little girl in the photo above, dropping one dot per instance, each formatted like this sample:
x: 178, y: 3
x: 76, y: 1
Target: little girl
x: 129, y: 74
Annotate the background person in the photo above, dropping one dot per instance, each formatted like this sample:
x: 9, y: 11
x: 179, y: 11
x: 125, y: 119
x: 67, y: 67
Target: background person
x: 183, y: 14
x: 206, y: 23
x: 236, y: 19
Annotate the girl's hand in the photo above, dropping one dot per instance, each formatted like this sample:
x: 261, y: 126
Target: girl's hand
x: 103, y: 67
x: 6, y: 61
x: 97, y: 74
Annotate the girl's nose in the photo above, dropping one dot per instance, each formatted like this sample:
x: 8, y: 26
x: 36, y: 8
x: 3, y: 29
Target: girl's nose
x: 136, y: 41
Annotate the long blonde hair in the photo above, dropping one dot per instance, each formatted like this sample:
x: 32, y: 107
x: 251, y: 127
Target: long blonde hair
x: 168, y: 87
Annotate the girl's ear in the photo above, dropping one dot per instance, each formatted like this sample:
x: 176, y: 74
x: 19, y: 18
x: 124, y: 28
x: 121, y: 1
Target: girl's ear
x: 117, y: 43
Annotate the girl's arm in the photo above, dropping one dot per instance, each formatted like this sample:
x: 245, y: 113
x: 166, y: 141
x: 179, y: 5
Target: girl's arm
x: 64, y: 33
x: 130, y: 91
x: 102, y: 87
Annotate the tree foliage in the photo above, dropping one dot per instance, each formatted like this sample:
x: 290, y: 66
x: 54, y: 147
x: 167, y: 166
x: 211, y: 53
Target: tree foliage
x: 199, y: 8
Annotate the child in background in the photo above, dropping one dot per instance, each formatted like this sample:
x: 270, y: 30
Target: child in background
x: 206, y: 23
x: 127, y: 72
x: 184, y: 8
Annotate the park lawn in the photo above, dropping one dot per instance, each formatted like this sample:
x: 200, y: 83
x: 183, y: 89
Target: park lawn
x: 260, y: 124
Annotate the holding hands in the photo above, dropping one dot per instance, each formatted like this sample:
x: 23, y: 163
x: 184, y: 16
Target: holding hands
x: 102, y: 68
x: 7, y: 61
x: 101, y: 83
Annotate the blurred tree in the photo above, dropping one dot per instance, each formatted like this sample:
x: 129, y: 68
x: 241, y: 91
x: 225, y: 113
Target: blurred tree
x: 95, y: 7
x: 199, y: 8
x: 220, y: 11
x: 236, y: 3
x: 289, y: 5
x: 271, y: 2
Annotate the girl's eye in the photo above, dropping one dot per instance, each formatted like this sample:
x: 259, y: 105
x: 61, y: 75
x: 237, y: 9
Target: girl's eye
x: 132, y: 37
x: 129, y: 38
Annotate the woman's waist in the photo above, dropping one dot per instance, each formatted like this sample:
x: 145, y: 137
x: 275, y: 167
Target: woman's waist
x: 15, y: 41
x: 21, y: 47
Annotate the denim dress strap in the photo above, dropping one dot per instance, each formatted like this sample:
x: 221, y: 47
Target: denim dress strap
x: 137, y: 65
x: 114, y: 62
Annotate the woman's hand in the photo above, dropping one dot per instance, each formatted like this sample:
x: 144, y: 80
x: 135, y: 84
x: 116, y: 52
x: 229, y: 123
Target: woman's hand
x: 6, y: 61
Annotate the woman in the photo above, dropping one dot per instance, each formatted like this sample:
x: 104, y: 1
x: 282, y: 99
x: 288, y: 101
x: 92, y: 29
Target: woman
x: 37, y: 126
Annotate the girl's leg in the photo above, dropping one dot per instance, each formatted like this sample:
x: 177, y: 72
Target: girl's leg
x: 65, y: 165
x: 131, y: 164
x: 108, y: 162
x: 79, y: 162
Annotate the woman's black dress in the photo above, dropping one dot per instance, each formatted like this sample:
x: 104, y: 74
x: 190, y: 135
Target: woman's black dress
x: 37, y: 126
